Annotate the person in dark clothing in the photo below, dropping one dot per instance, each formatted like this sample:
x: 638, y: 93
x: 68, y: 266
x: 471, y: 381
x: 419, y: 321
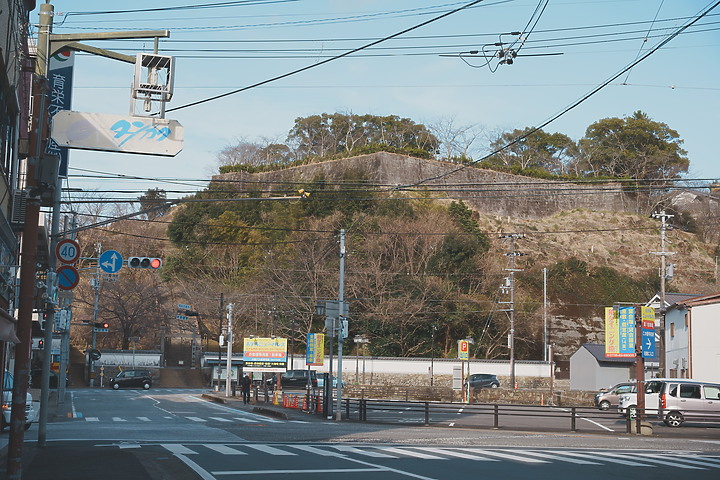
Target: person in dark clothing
x: 245, y: 388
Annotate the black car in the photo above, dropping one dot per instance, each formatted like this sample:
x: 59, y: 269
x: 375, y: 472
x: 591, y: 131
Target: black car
x: 132, y: 379
x: 295, y: 379
x: 482, y: 380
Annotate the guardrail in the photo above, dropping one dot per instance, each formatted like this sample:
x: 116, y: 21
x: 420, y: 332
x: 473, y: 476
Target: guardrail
x: 488, y: 415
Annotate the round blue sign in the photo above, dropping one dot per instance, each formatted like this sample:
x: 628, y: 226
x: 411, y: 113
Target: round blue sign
x: 110, y: 261
x: 68, y: 277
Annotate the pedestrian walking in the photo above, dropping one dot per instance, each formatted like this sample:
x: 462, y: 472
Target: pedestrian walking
x: 245, y: 388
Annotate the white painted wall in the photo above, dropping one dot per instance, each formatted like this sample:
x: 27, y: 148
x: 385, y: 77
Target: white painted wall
x: 705, y: 331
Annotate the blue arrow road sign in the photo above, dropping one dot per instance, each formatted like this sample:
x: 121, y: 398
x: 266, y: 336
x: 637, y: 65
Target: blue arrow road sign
x: 110, y: 261
x: 648, y: 343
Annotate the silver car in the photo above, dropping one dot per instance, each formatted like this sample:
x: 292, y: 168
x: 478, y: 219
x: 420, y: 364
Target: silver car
x: 605, y: 399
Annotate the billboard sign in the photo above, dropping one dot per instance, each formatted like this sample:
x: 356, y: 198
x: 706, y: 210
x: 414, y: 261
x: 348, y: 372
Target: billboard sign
x: 463, y: 350
x: 315, y: 352
x: 265, y: 354
x: 117, y: 133
x: 60, y: 77
x: 648, y: 332
x: 620, y: 332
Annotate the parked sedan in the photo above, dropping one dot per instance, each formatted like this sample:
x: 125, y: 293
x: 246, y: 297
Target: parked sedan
x: 132, y: 379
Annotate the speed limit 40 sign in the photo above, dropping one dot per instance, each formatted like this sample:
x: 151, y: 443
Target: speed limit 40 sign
x: 67, y: 251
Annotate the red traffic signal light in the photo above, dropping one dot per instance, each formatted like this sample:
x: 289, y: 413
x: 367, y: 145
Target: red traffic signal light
x: 101, y: 326
x: 145, y: 262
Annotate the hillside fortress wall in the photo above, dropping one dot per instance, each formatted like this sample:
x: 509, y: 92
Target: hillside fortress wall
x: 487, y: 191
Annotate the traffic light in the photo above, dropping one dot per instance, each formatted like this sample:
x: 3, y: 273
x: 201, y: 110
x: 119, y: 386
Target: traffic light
x: 145, y: 262
x: 101, y: 326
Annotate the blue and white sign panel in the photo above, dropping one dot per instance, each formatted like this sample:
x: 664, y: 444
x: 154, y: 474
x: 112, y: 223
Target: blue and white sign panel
x: 626, y: 318
x: 60, y: 77
x: 110, y: 261
x: 115, y: 133
x: 648, y: 343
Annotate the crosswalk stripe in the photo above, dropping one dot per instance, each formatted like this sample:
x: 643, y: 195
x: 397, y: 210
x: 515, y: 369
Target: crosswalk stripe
x: 246, y: 420
x: 506, y: 456
x: 221, y: 419
x: 704, y: 462
x: 558, y: 456
x: 196, y: 419
x: 177, y: 449
x: 412, y: 453
x: 646, y: 458
x: 224, y: 449
x: 118, y: 419
x: 144, y: 419
x: 270, y: 450
x: 603, y: 457
x: 358, y: 451
x: 317, y: 451
x: 92, y: 419
x: 468, y: 456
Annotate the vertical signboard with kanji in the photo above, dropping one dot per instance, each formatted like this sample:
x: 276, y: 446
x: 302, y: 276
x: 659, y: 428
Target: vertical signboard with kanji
x: 648, y: 332
x: 620, y: 332
x: 315, y: 352
x: 60, y: 76
x: 612, y: 333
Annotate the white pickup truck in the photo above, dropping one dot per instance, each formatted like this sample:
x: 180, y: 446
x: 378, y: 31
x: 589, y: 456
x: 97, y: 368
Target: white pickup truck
x: 7, y: 404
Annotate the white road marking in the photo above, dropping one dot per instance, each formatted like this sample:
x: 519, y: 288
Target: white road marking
x: 411, y: 453
x: 361, y: 451
x: 270, y: 450
x: 453, y: 453
x: 558, y: 456
x: 221, y: 419
x: 92, y: 419
x: 224, y: 449
x: 597, y: 456
x: 118, y: 419
x: 144, y: 419
x: 196, y: 419
x: 177, y: 449
x: 317, y: 451
x: 506, y: 456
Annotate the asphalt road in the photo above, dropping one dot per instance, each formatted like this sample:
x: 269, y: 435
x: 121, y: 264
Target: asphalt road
x: 176, y: 434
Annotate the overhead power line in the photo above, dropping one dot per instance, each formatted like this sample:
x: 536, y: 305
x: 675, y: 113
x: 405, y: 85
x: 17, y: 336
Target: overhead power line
x: 327, y: 60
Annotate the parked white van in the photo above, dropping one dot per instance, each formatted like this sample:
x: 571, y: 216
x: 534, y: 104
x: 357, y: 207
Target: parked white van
x: 682, y: 401
x: 7, y: 404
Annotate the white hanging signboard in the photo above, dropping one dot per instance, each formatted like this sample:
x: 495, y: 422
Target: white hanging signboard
x: 117, y: 133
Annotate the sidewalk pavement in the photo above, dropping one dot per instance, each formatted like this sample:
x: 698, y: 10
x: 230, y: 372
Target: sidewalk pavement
x: 58, y: 462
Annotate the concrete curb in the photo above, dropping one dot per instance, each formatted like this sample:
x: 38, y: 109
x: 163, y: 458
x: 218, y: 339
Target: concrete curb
x: 270, y: 412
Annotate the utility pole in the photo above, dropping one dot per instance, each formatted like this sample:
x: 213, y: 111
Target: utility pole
x: 663, y: 274
x: 95, y: 284
x: 28, y: 252
x: 342, y: 322
x: 222, y: 314
x: 545, y: 317
x: 228, y: 360
x: 510, y: 284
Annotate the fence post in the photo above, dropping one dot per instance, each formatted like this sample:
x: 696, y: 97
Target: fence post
x: 496, y: 416
x: 427, y: 413
x: 347, y: 408
x: 573, y: 419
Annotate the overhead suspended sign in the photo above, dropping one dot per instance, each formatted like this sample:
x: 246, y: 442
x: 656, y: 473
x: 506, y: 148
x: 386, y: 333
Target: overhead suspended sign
x: 117, y: 133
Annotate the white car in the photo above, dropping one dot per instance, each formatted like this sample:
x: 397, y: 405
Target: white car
x: 7, y: 404
x: 628, y: 401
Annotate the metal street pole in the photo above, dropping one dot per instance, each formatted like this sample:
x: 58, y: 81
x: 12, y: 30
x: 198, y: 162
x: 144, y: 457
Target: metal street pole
x: 222, y: 314
x: 228, y: 364
x: 343, y: 319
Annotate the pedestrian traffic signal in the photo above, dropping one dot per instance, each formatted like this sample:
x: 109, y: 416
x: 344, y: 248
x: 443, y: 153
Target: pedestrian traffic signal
x: 144, y: 262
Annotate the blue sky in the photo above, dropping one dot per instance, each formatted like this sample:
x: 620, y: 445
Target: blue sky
x: 406, y: 76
